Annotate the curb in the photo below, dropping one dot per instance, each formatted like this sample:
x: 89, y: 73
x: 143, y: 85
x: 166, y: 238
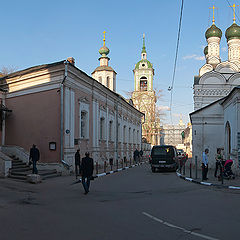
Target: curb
x: 111, y: 172
x: 206, y: 183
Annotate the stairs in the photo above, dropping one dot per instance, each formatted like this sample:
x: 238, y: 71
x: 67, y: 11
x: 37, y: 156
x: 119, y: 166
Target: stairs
x: 20, y: 170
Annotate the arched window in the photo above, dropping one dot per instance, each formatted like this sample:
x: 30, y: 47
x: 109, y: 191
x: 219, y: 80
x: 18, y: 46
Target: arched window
x: 143, y: 83
x: 102, y: 128
x: 134, y: 136
x: 228, y: 139
x: 108, y: 82
x: 84, y: 124
x: 100, y: 79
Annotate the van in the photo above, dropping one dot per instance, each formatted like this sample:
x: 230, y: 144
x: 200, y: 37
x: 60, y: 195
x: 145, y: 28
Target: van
x: 163, y: 157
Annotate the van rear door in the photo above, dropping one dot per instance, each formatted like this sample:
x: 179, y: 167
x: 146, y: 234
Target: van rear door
x: 163, y: 155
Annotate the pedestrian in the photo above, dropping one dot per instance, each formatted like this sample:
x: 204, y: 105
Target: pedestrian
x: 34, y: 157
x: 219, y: 161
x: 136, y: 155
x: 77, y: 163
x: 141, y: 154
x: 205, y: 164
x: 86, y: 171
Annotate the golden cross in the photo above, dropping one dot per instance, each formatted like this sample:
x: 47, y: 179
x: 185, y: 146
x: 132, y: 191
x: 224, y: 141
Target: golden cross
x: 213, y: 8
x: 234, y: 15
x: 104, y: 39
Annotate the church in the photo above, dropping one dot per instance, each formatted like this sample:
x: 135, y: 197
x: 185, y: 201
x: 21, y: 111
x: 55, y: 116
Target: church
x: 215, y: 121
x: 144, y: 98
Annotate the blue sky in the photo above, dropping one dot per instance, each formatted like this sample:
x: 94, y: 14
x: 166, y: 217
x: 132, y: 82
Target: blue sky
x: 39, y: 32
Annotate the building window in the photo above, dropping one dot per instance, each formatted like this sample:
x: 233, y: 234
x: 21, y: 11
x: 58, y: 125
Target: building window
x: 102, y: 128
x: 133, y: 135
x: 137, y: 137
x: 124, y: 133
x: 110, y: 130
x: 143, y: 83
x: 108, y: 82
x: 129, y: 135
x: 100, y: 79
x: 84, y: 124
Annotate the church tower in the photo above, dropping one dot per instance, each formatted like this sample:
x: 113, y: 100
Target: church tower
x: 144, y: 97
x: 104, y: 73
x: 213, y: 36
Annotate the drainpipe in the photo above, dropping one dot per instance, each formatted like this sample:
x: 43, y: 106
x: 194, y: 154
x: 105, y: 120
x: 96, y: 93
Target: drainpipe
x: 3, y: 119
x: 116, y: 147
x: 65, y: 164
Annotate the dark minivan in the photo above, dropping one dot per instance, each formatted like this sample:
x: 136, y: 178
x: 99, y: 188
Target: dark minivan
x: 163, y: 157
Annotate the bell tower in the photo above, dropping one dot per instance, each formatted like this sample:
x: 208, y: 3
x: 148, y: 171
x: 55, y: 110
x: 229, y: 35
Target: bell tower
x: 104, y: 73
x: 144, y: 97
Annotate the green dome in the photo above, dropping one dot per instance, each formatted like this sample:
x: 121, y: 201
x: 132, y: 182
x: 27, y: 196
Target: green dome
x: 233, y: 32
x: 213, y: 31
x: 205, y: 50
x: 143, y: 61
x: 104, y: 51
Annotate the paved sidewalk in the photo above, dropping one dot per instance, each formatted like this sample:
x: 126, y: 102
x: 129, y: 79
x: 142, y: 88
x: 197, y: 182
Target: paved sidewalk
x: 211, y: 179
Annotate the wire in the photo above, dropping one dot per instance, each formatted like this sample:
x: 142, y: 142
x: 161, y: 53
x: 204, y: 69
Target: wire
x: 233, y: 10
x: 176, y: 56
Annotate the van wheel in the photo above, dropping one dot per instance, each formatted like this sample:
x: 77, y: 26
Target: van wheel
x: 153, y: 169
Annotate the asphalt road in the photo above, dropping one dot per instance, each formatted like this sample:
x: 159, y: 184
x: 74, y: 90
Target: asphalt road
x: 132, y: 204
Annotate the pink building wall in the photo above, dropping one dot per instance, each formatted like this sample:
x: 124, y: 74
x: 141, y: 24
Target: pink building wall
x: 35, y: 119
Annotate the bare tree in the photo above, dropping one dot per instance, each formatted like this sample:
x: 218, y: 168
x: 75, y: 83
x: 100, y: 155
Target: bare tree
x: 7, y: 70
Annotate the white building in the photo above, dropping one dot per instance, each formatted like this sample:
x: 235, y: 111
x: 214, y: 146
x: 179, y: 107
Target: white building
x: 215, y: 122
x: 172, y: 134
x: 216, y: 78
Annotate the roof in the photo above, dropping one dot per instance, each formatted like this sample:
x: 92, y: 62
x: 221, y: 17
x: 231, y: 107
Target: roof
x: 219, y: 100
x: 234, y: 89
x: 31, y: 69
x: 143, y: 61
x: 45, y: 66
x: 102, y: 68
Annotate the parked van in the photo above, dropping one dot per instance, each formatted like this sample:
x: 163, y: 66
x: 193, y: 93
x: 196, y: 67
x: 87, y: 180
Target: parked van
x: 163, y: 157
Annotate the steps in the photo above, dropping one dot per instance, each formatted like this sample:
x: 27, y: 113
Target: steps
x: 20, y: 170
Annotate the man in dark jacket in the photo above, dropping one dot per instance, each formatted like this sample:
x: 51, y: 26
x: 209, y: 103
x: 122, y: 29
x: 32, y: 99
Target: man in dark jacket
x: 77, y: 163
x: 136, y: 156
x: 86, y: 171
x: 34, y: 157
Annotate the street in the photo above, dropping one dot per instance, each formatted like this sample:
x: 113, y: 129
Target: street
x: 132, y: 204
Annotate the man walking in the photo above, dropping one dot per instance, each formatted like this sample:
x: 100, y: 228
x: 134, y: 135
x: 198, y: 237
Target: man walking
x: 77, y: 163
x: 34, y: 157
x: 205, y: 164
x: 86, y: 171
x: 136, y: 156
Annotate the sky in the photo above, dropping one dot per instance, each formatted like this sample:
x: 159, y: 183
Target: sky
x: 41, y: 32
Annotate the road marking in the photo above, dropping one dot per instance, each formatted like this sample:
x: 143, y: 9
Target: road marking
x: 101, y: 174
x: 180, y: 228
x: 206, y: 183
x: 189, y: 179
x: 232, y: 187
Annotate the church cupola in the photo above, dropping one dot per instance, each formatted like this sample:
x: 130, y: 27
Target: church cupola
x: 104, y: 73
x: 232, y: 35
x: 213, y: 36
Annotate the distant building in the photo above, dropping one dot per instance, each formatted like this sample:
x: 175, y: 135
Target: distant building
x: 187, y: 139
x: 144, y: 98
x: 172, y: 134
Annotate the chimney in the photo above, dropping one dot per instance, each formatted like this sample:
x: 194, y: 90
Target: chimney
x: 71, y: 60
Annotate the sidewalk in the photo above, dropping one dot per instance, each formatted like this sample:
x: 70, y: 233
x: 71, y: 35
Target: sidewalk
x: 212, y: 181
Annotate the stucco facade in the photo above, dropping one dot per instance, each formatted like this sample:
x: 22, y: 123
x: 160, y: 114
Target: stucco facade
x: 60, y: 108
